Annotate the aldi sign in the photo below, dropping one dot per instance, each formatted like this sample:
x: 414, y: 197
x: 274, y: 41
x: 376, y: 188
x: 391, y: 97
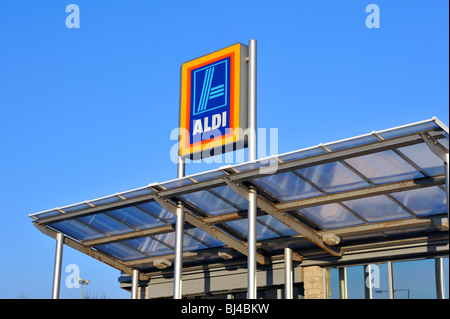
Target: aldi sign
x: 213, y: 114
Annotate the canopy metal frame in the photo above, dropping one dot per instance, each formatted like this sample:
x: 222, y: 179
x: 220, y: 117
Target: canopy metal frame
x: 244, y: 180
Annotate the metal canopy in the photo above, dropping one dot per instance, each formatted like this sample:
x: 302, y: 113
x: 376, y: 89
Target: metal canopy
x: 384, y: 186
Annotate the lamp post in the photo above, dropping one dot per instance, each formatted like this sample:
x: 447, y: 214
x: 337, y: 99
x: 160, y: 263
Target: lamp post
x: 82, y: 282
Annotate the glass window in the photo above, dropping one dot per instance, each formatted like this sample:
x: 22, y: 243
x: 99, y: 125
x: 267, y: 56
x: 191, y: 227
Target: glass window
x: 414, y: 279
x: 380, y: 280
x: 334, y: 284
x: 355, y: 282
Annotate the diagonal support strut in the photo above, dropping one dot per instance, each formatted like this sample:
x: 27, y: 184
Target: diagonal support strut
x: 286, y: 219
x: 211, y: 230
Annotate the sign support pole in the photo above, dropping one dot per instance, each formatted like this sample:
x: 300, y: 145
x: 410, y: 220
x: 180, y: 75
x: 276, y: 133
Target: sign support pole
x: 251, y: 261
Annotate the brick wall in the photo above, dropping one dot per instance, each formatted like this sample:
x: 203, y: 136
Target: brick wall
x: 314, y: 280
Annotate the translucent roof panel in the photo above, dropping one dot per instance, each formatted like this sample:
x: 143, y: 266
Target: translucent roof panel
x: 120, y: 251
x: 207, y: 175
x: 377, y: 209
x: 208, y: 202
x: 158, y: 212
x: 384, y: 167
x: 105, y: 224
x: 408, y: 129
x: 262, y: 232
x: 105, y: 200
x: 360, y: 140
x: 331, y: 216
x: 333, y: 177
x: 149, y: 246
x: 301, y: 154
x: 203, y: 237
x: 176, y: 183
x: 77, y: 230
x: 424, y: 158
x: 137, y: 192
x: 424, y: 201
x: 276, y: 226
x: 287, y: 186
x: 224, y: 192
x: 47, y: 213
x: 136, y: 218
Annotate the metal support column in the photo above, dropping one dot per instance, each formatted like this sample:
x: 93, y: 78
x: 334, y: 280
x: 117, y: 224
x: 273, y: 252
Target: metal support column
x: 135, y: 284
x: 251, y: 261
x: 179, y: 232
x: 343, y: 283
x: 447, y: 181
x: 58, y: 263
x: 288, y: 274
x: 368, y: 282
x: 391, y: 280
x: 439, y: 273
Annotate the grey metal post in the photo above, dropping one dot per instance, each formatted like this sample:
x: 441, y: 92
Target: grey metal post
x: 288, y: 274
x: 447, y: 181
x: 58, y: 263
x: 343, y: 283
x: 179, y: 232
x: 252, y: 100
x: 368, y: 282
x: 135, y: 284
x: 180, y: 167
x: 439, y: 273
x: 391, y: 280
x: 251, y: 261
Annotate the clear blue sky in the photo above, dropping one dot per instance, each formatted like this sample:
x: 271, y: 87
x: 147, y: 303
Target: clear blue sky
x: 88, y: 112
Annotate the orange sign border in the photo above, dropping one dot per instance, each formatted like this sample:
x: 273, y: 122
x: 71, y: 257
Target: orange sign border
x: 188, y: 148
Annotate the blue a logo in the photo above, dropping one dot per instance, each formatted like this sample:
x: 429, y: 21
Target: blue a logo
x: 210, y: 87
